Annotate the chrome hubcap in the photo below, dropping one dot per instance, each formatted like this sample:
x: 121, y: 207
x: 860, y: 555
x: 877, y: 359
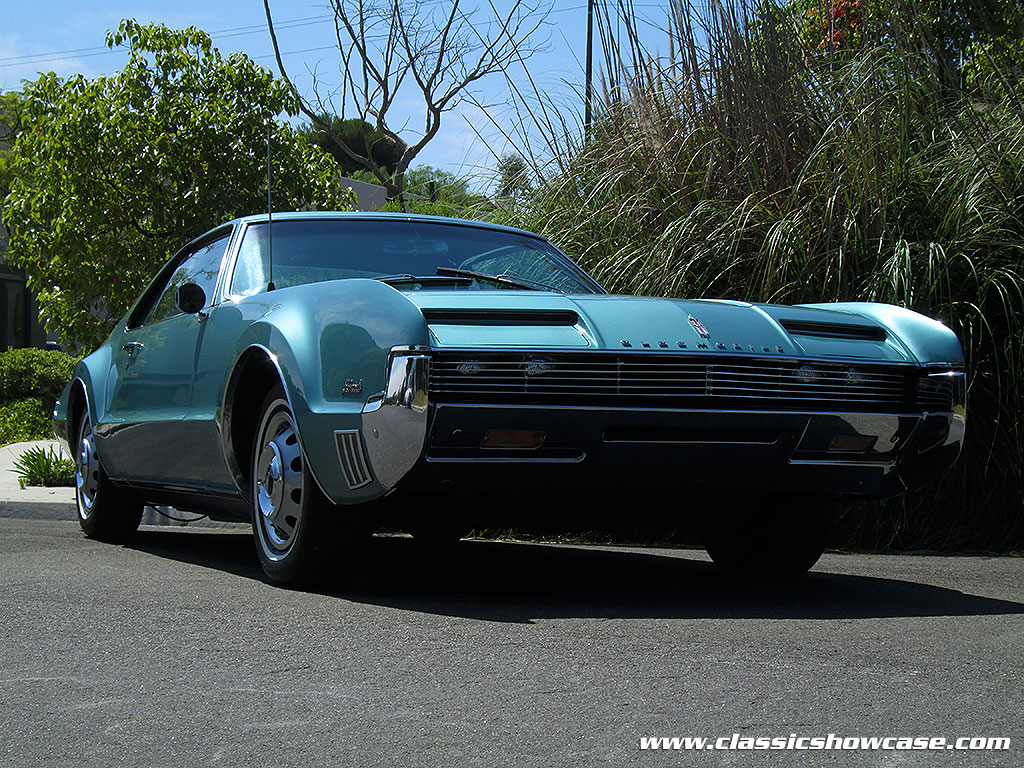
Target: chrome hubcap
x: 87, y: 472
x: 278, y: 478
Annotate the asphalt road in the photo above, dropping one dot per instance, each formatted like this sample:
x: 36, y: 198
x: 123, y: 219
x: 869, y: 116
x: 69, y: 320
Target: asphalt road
x: 173, y: 651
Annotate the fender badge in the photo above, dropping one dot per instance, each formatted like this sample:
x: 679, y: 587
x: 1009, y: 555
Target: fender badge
x: 352, y: 387
x: 699, y: 328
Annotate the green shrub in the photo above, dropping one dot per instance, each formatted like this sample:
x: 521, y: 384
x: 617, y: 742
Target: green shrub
x: 47, y: 468
x: 34, y: 373
x: 25, y: 419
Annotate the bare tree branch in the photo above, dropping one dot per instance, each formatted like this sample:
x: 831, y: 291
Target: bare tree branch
x: 317, y: 117
x: 382, y: 44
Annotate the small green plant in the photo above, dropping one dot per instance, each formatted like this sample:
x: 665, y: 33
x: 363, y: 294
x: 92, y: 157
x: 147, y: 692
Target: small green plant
x: 44, y: 467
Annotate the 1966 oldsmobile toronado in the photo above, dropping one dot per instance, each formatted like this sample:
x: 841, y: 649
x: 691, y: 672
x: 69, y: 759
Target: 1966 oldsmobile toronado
x: 321, y: 374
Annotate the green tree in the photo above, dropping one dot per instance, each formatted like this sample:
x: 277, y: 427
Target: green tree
x: 966, y: 39
x: 111, y: 175
x: 956, y: 27
x: 10, y: 126
x: 446, y: 185
x: 359, y: 137
x: 513, y: 177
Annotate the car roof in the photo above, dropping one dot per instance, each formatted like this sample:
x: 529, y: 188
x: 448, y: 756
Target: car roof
x: 381, y: 216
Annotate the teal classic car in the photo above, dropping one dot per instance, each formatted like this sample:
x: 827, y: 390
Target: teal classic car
x: 324, y: 374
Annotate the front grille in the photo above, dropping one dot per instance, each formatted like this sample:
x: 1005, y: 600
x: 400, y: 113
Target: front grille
x: 676, y: 381
x: 937, y: 393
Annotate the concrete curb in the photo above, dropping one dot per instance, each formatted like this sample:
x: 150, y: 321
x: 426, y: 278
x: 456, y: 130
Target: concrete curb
x: 37, y: 503
x: 38, y: 510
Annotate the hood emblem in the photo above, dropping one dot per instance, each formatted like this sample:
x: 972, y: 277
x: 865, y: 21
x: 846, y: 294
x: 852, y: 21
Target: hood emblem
x: 699, y: 328
x: 537, y: 367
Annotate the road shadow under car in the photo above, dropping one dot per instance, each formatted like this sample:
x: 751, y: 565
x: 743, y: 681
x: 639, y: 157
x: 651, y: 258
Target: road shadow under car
x: 521, y: 582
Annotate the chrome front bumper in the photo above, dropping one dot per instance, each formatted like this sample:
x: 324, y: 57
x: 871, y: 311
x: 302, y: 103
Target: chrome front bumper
x: 395, y: 420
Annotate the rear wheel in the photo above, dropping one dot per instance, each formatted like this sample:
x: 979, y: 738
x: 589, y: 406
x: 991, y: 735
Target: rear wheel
x: 770, y: 537
x: 105, y: 512
x: 294, y: 524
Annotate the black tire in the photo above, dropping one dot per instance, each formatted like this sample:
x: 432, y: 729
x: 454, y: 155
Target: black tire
x: 775, y: 538
x: 105, y: 512
x: 294, y: 524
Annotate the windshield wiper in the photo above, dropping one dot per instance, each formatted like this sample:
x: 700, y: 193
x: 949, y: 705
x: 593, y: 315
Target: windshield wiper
x: 518, y: 282
x: 404, y: 279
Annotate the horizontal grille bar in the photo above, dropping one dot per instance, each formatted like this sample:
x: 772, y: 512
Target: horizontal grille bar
x: 679, y: 381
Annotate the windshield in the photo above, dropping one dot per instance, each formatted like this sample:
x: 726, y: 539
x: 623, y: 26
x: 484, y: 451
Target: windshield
x: 445, y: 255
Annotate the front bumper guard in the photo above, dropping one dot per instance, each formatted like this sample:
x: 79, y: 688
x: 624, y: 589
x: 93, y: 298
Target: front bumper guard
x: 395, y: 420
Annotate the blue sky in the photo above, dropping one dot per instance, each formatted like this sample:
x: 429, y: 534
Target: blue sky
x: 67, y: 37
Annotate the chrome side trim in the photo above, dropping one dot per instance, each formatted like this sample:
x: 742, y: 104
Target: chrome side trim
x: 841, y: 463
x: 395, y: 420
x: 505, y: 460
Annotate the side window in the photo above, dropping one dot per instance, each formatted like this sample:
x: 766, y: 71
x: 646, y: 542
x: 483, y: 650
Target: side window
x: 200, y: 268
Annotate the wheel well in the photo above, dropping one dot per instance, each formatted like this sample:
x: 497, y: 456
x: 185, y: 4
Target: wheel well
x: 77, y: 404
x: 254, y: 376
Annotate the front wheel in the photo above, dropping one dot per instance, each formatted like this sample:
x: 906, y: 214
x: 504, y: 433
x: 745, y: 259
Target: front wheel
x: 105, y: 512
x: 778, y: 538
x: 294, y: 524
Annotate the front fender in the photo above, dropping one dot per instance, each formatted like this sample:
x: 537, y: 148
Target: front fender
x: 91, y: 374
x: 928, y: 340
x: 330, y: 343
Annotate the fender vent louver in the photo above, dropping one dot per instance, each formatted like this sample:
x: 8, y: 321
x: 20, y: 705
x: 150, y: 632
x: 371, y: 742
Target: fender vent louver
x: 501, y: 316
x: 352, y: 457
x: 834, y: 330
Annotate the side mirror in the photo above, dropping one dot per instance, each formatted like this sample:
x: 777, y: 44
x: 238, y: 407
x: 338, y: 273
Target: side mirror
x: 189, y: 298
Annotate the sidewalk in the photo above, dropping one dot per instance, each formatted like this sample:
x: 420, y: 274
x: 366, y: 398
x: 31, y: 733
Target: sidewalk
x: 37, y: 503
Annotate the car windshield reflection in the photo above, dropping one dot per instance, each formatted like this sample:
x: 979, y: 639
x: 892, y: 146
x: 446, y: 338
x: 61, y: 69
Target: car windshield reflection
x: 410, y: 255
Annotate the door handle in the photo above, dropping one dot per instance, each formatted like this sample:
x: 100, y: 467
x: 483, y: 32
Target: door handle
x: 131, y: 348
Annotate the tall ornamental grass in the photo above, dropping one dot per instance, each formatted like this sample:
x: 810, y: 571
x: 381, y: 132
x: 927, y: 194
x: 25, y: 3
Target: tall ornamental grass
x: 795, y: 153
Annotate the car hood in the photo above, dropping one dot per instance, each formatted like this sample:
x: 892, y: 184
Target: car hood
x: 528, y: 320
